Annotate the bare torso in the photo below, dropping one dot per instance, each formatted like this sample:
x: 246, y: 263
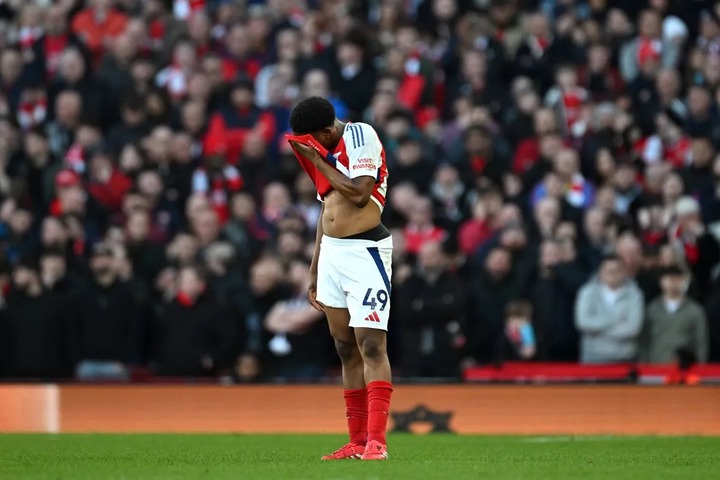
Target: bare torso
x: 341, y: 218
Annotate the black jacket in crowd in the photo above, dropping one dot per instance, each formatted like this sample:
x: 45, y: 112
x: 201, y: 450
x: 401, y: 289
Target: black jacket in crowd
x: 431, y: 314
x: 108, y: 323
x: 186, y: 333
x: 487, y: 299
x: 36, y: 337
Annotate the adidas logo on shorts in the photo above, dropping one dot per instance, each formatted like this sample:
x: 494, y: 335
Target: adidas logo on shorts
x: 373, y: 317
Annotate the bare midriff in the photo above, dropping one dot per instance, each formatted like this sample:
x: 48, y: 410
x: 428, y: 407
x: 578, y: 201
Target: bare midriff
x: 342, y: 218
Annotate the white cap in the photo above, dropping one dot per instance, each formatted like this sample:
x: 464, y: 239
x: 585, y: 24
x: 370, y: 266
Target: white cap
x: 673, y: 28
x: 686, y: 205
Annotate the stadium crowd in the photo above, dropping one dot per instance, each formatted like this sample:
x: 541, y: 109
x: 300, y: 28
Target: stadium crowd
x: 554, y: 181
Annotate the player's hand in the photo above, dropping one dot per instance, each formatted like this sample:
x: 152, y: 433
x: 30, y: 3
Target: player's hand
x: 312, y: 296
x: 306, y: 151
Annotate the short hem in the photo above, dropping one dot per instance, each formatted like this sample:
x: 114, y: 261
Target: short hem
x: 370, y: 326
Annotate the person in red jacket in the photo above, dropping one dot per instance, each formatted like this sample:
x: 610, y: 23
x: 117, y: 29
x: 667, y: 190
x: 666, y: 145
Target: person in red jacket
x: 107, y: 184
x: 231, y: 124
x: 98, y: 24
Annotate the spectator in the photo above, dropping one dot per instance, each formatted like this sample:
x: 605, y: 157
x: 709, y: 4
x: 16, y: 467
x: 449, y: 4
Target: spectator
x: 674, y: 322
x: 609, y: 315
x: 297, y: 347
x: 74, y: 74
x: 230, y: 126
x: 47, y: 49
x: 573, y: 187
x: 517, y: 341
x: 195, y: 336
x: 61, y: 131
x: 107, y: 184
x: 697, y: 246
x: 697, y: 176
x: 11, y: 67
x: 97, y: 24
x: 626, y: 187
x: 595, y: 238
x: 133, y: 126
x: 450, y: 197
x: 353, y: 76
x: 38, y: 336
x: 488, y: 296
x: 55, y: 275
x: 431, y: 317
x: 421, y: 228
x: 475, y: 232
x: 109, y: 336
x: 710, y: 198
x: 552, y: 287
x: 542, y: 49
x: 114, y: 69
x: 647, y: 46
x: 411, y: 165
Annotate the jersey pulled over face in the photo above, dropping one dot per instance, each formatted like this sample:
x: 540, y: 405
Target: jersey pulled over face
x: 359, y: 154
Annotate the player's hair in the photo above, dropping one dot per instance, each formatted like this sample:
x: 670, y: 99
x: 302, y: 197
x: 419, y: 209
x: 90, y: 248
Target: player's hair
x: 311, y: 115
x: 519, y: 308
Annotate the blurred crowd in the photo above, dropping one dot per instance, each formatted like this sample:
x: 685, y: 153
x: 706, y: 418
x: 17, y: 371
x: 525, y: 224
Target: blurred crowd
x: 554, y: 181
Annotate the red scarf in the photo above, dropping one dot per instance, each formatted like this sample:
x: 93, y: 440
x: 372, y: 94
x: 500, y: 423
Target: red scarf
x: 690, y: 248
x: 217, y: 188
x: 54, y: 47
x: 31, y: 114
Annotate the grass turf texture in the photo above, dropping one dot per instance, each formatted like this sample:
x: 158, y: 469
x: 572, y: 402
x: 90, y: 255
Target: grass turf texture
x: 269, y: 457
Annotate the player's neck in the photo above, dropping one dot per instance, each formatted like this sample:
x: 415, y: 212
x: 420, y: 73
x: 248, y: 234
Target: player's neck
x: 341, y: 129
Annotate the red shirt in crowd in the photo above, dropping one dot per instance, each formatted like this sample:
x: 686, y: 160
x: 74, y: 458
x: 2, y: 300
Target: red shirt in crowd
x: 94, y: 32
x: 416, y: 237
x: 229, y: 128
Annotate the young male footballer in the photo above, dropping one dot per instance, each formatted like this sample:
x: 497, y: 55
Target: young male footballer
x: 351, y: 267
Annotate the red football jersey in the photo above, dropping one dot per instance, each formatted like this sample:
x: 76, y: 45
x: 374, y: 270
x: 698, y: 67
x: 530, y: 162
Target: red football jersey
x: 359, y: 153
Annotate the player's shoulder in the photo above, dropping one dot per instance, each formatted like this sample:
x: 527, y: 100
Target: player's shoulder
x: 360, y: 134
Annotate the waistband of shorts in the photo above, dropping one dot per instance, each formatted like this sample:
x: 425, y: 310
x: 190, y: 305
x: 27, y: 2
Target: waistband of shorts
x: 355, y: 242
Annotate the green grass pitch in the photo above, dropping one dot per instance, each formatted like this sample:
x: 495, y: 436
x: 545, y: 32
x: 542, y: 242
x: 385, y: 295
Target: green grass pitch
x: 270, y: 457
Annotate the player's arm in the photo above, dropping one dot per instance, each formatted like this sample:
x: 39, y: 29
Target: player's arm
x: 357, y: 190
x: 312, y: 289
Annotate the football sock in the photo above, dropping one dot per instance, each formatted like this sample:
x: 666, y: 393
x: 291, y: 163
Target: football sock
x: 378, y: 393
x: 356, y: 407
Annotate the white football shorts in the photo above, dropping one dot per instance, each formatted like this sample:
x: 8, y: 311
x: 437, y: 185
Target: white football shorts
x: 356, y: 274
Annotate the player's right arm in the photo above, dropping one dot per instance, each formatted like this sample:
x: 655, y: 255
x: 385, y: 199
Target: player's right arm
x: 312, y: 289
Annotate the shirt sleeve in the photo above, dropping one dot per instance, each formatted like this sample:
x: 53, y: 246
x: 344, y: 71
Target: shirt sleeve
x: 364, y: 150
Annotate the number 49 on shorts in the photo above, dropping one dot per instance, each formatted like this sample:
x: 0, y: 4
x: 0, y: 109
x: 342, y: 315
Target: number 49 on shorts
x: 371, y: 300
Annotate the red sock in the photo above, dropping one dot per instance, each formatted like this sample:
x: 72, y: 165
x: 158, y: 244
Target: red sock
x: 357, y: 415
x: 378, y: 393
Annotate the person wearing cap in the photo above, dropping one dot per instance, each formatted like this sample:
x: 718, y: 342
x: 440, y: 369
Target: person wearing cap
x: 69, y: 194
x: 36, y: 329
x: 648, y: 47
x: 697, y: 246
x: 233, y: 122
x: 674, y: 322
